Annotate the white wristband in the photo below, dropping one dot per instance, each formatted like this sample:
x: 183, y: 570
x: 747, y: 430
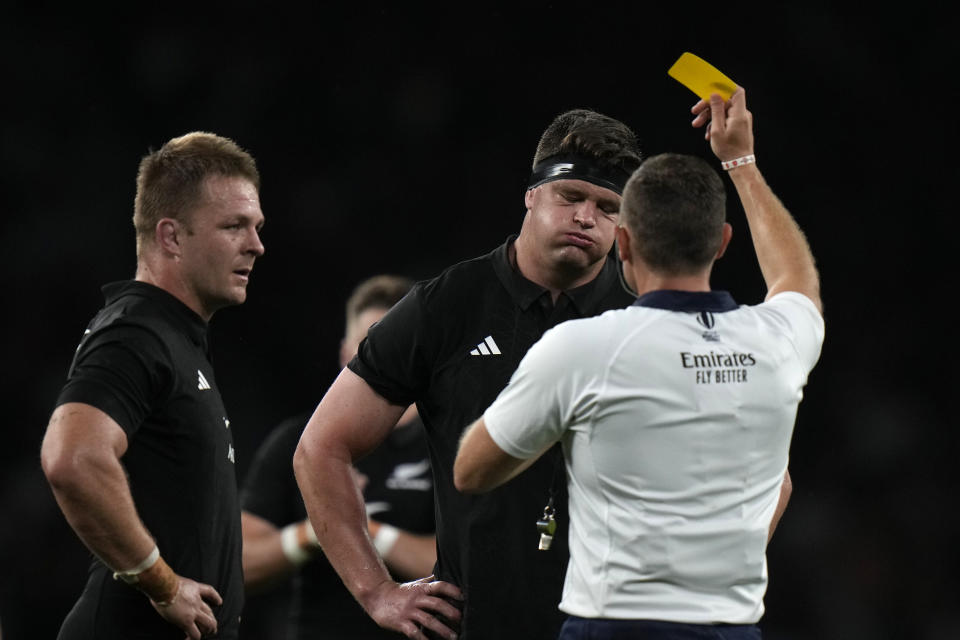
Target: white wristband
x: 296, y: 554
x: 737, y: 162
x: 130, y: 575
x: 385, y: 539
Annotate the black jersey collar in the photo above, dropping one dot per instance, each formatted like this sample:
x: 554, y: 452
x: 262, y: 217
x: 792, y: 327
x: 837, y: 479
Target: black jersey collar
x: 188, y: 320
x: 672, y: 300
x: 586, y: 298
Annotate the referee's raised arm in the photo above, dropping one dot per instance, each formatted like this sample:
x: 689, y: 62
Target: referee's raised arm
x: 782, y: 251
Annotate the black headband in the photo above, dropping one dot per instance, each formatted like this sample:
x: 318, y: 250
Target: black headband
x: 566, y: 166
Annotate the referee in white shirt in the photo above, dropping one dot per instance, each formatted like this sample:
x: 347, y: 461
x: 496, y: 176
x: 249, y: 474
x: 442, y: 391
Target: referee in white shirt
x: 675, y: 414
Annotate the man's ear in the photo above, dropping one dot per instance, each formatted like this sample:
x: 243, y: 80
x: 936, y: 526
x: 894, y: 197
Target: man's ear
x: 727, y: 234
x: 528, y: 199
x: 167, y: 235
x: 623, y: 244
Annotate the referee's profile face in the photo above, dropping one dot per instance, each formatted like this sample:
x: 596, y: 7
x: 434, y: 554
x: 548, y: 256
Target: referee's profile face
x: 222, y: 242
x: 573, y: 222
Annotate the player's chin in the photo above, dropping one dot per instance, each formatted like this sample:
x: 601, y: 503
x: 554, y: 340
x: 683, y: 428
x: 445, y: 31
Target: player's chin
x: 236, y: 295
x: 581, y: 257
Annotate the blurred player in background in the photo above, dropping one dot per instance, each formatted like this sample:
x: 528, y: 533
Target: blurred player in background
x: 395, y: 480
x: 138, y: 450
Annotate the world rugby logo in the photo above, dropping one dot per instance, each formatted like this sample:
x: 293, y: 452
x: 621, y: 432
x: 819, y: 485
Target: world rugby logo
x: 705, y: 319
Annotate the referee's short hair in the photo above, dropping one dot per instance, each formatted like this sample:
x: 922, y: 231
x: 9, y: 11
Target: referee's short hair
x: 675, y: 208
x: 170, y: 179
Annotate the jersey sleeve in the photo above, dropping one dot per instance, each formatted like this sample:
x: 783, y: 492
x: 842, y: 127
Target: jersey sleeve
x: 124, y: 371
x: 393, y: 357
x: 270, y: 488
x: 799, y: 319
x: 534, y: 409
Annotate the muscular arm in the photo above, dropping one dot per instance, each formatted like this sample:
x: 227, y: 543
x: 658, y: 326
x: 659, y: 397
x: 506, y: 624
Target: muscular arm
x: 350, y: 421
x: 264, y: 562
x: 411, y: 556
x: 481, y: 465
x: 80, y: 456
x: 785, y: 259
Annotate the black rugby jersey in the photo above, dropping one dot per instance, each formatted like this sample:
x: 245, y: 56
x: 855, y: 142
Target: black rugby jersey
x: 144, y: 361
x: 399, y: 492
x: 451, y: 345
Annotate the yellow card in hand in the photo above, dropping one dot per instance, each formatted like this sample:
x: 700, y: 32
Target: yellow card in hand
x: 701, y: 77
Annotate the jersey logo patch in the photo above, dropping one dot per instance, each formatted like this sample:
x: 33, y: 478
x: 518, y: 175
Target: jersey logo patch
x: 706, y: 320
x: 202, y: 383
x: 486, y: 348
x: 407, y: 476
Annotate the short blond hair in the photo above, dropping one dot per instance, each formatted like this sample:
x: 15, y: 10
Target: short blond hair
x: 380, y: 292
x: 170, y: 179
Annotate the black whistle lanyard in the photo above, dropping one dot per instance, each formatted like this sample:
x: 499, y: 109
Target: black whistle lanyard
x: 547, y: 524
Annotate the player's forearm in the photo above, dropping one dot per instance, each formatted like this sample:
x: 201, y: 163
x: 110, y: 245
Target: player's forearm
x: 264, y: 561
x: 410, y: 556
x: 783, y: 253
x: 336, y: 509
x: 92, y: 491
x: 264, y: 564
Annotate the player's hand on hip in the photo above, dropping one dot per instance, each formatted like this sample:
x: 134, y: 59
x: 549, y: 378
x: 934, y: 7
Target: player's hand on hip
x: 413, y: 606
x: 190, y: 609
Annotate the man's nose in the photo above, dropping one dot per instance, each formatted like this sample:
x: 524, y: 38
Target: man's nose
x: 256, y: 246
x: 586, y: 214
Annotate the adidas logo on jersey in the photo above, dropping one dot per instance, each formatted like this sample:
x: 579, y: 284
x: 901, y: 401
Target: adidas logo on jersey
x: 202, y: 383
x: 486, y: 348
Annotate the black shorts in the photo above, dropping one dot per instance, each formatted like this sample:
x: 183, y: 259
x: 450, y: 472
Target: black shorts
x: 606, y: 629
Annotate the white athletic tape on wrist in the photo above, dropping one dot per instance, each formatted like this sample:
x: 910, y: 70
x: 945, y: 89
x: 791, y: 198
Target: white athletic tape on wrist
x: 385, y: 539
x: 296, y: 554
x: 130, y: 575
x: 738, y: 162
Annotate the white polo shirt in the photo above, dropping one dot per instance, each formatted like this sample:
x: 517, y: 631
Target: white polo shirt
x: 675, y: 417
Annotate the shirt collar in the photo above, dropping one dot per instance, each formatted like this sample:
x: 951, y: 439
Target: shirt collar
x: 586, y: 298
x: 673, y: 300
x: 185, y: 317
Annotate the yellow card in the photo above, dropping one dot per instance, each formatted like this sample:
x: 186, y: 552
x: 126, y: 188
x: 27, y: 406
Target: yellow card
x: 701, y: 77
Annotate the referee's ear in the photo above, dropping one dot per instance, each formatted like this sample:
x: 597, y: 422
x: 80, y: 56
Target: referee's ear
x: 727, y: 234
x: 623, y: 243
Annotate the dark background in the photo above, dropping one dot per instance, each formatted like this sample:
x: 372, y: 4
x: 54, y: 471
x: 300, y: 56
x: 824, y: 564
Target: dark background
x: 400, y: 139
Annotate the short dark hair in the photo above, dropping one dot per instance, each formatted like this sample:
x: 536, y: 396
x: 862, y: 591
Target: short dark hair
x: 675, y: 208
x: 589, y: 133
x: 170, y: 179
x: 381, y: 292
